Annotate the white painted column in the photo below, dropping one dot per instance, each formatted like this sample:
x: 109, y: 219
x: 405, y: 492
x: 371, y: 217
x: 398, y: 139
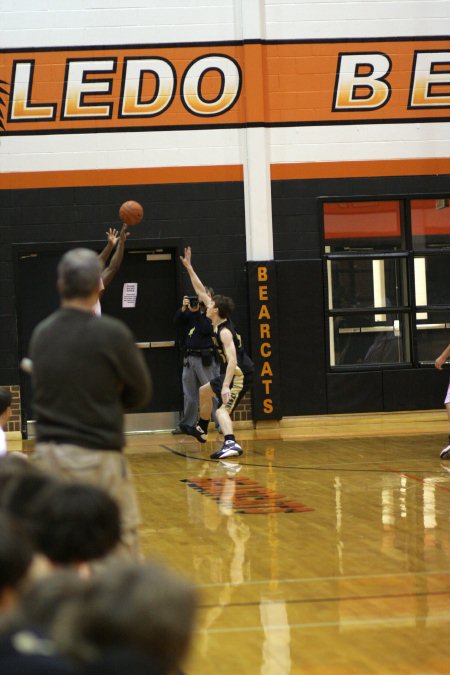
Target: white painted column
x: 250, y: 24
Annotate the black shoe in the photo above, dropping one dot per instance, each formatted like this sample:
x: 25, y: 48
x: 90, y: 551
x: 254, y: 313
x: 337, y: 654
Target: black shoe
x: 197, y: 432
x: 177, y: 431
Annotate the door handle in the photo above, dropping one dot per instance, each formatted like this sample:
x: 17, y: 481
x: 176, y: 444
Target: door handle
x: 156, y: 345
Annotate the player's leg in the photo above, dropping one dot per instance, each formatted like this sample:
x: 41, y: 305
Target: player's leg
x: 200, y: 429
x: 190, y: 393
x: 445, y: 452
x: 206, y: 373
x: 224, y: 419
x: 206, y: 395
x: 230, y: 447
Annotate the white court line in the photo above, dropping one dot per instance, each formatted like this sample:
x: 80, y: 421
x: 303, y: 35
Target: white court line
x: 328, y: 624
x: 303, y: 580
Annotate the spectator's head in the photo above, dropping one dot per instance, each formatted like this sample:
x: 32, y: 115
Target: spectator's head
x: 144, y: 608
x: 70, y: 524
x: 5, y: 405
x: 79, y: 274
x: 21, y: 485
x: 41, y: 601
x: 74, y: 523
x: 27, y: 647
x: 18, y: 492
x: 16, y: 555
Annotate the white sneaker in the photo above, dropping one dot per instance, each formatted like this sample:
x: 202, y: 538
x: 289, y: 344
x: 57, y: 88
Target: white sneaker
x: 228, y: 449
x: 445, y: 453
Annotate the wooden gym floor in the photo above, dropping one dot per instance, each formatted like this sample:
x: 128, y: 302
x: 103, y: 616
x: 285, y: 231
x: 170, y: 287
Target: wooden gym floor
x: 323, y: 550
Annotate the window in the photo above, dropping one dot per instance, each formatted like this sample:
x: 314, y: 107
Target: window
x: 387, y: 287
x: 430, y: 227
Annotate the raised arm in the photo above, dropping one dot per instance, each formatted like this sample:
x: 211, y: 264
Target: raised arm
x: 112, y: 237
x: 195, y: 281
x: 110, y: 272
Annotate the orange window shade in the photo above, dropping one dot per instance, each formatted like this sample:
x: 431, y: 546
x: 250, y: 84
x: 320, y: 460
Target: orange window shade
x: 358, y: 220
x: 430, y: 216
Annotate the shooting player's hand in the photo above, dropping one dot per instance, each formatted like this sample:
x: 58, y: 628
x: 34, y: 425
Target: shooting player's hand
x: 112, y: 236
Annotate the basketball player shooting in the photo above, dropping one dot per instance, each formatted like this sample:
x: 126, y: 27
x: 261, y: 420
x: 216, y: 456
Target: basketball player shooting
x: 117, y: 241
x: 130, y: 213
x: 236, y: 368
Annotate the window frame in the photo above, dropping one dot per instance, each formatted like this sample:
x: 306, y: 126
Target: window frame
x: 408, y: 253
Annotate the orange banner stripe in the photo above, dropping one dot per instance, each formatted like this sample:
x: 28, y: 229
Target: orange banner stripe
x: 106, y: 177
x: 218, y: 174
x: 369, y: 169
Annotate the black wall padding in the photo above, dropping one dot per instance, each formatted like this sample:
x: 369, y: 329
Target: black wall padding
x: 301, y: 337
x: 355, y: 392
x: 419, y: 389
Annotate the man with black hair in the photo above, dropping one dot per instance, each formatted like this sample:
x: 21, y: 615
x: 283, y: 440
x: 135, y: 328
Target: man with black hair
x: 86, y: 371
x: 74, y: 524
x: 236, y: 367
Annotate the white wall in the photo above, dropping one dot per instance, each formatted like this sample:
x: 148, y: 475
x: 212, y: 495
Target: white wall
x: 45, y: 23
x: 31, y: 24
x: 34, y: 23
x: 322, y: 19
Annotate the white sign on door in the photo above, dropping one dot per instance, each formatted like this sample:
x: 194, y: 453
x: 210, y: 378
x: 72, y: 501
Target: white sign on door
x: 129, y: 295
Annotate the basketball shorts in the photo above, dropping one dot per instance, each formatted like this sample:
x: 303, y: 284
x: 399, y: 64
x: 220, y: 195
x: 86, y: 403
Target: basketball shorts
x: 239, y: 385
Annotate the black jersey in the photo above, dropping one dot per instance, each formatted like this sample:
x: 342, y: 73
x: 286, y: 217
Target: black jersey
x: 244, y: 362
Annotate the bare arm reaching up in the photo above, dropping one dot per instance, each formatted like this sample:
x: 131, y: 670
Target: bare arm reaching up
x: 195, y: 281
x: 112, y: 237
x: 110, y: 272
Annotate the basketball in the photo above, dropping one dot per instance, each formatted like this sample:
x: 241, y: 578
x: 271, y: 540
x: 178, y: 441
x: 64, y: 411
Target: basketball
x: 131, y: 213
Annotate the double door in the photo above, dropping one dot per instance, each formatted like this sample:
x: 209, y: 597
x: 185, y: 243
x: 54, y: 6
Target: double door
x: 143, y: 294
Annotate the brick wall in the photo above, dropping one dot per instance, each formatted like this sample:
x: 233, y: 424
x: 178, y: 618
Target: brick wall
x: 14, y: 420
x: 243, y: 412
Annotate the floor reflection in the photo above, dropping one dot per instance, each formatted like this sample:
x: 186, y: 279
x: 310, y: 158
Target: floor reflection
x: 311, y: 557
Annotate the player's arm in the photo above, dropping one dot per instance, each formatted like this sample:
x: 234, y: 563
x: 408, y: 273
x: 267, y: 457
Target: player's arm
x: 442, y: 358
x: 110, y: 272
x: 197, y: 285
x: 230, y: 353
x: 112, y: 237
